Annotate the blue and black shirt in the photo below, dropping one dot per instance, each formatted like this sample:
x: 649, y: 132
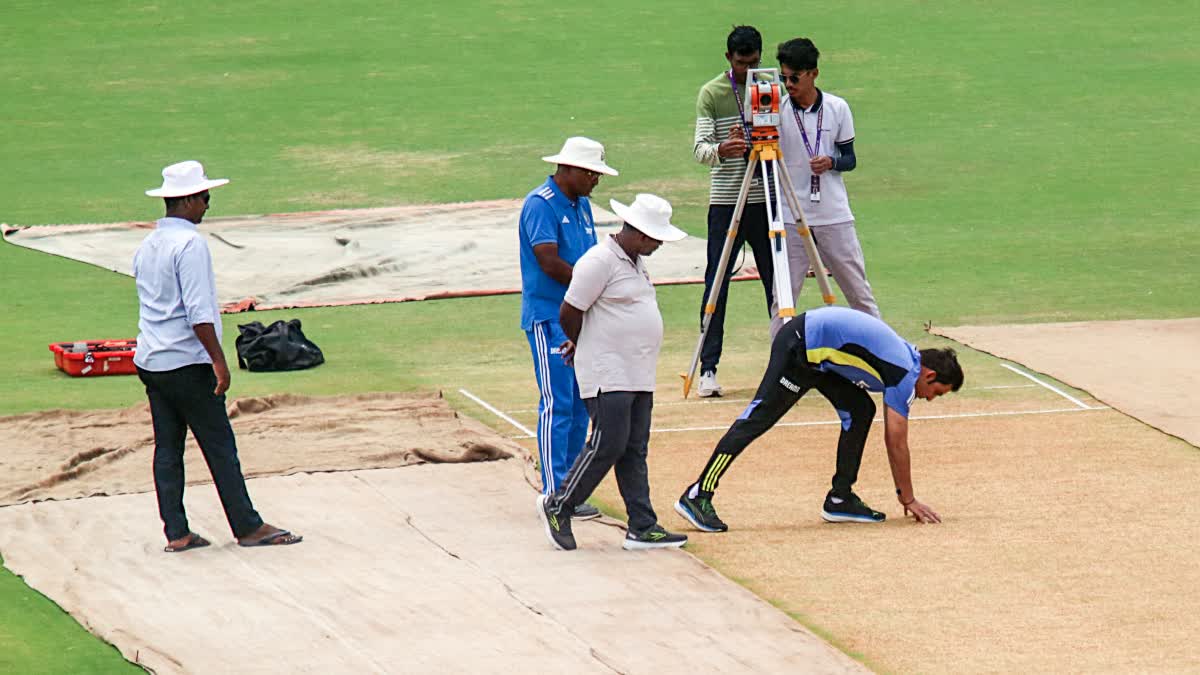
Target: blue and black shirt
x: 864, y: 350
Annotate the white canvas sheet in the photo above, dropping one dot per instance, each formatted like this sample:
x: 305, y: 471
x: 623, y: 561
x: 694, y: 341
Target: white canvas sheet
x: 421, y: 569
x: 354, y: 256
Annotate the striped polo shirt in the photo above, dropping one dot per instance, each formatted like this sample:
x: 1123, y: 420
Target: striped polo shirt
x: 717, y: 113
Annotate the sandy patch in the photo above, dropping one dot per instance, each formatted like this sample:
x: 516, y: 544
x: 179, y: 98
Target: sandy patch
x: 1068, y: 543
x: 62, y: 454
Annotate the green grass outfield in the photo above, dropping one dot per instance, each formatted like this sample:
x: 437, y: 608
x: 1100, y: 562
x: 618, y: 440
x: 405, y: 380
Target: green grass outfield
x: 1018, y: 162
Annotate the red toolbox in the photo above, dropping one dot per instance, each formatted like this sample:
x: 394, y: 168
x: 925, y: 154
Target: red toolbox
x: 87, y: 358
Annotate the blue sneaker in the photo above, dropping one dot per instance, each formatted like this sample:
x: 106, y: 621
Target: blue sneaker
x: 849, y: 509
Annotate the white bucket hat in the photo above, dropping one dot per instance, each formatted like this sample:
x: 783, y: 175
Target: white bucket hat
x: 183, y: 179
x: 583, y: 153
x: 651, y: 215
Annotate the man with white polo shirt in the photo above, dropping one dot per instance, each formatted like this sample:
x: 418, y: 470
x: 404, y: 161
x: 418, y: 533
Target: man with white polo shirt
x: 556, y: 229
x: 180, y: 361
x: 614, y: 332
x: 816, y: 136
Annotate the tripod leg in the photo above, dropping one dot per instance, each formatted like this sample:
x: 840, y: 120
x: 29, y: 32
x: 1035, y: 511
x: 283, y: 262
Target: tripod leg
x: 714, y: 292
x: 810, y: 246
x: 785, y: 307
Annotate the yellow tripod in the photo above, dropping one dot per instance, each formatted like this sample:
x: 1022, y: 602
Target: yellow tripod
x: 765, y: 154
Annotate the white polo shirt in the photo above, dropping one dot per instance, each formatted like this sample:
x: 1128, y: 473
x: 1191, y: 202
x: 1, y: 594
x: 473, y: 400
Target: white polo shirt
x: 837, y: 126
x: 622, y: 327
x: 176, y: 290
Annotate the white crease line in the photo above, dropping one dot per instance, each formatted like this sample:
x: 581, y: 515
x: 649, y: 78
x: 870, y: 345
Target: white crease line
x: 506, y: 418
x: 739, y: 401
x: 712, y: 401
x: 1051, y: 387
x: 1006, y: 413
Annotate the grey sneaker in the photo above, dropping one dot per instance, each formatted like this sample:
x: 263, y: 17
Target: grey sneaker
x: 557, y: 525
x: 586, y: 511
x: 655, y: 537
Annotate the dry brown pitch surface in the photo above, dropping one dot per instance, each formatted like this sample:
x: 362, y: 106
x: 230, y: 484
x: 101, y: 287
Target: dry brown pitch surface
x: 1068, y: 542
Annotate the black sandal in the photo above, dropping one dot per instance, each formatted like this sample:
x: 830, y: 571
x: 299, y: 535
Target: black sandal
x: 194, y: 541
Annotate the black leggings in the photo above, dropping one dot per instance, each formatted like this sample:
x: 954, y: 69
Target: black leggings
x: 788, y: 378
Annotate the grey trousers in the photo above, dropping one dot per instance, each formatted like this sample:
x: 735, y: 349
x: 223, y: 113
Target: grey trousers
x: 842, y: 255
x: 620, y: 439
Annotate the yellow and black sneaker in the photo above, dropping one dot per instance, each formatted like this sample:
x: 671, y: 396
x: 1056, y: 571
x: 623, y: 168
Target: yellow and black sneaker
x: 849, y: 509
x: 558, y: 525
x: 655, y: 537
x: 699, y: 511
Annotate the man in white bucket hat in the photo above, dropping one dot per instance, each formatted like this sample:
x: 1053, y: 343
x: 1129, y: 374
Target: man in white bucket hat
x: 556, y: 228
x: 179, y: 360
x: 614, y: 331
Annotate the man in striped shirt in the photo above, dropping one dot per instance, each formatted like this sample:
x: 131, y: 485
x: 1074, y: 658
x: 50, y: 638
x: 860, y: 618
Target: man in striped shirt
x: 842, y: 353
x: 720, y: 143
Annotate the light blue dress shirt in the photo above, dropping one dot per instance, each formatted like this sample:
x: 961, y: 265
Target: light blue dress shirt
x: 176, y: 290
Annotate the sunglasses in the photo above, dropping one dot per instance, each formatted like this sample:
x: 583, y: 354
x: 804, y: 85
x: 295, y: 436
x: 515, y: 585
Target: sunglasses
x: 795, y: 78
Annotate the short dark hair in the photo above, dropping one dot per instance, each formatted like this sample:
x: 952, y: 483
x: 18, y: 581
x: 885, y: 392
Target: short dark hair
x: 943, y: 362
x: 173, y: 202
x: 743, y: 40
x: 798, y: 54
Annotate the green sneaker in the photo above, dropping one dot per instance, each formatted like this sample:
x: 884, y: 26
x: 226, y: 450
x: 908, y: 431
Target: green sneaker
x: 700, y: 512
x: 655, y: 537
x: 558, y: 525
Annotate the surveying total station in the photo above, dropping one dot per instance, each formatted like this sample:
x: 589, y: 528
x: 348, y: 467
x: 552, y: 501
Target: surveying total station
x: 764, y: 93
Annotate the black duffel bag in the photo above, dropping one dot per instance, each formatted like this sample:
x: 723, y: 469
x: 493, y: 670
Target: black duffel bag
x: 280, y: 346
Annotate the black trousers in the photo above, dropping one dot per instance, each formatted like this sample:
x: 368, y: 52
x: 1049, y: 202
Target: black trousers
x: 620, y: 439
x: 183, y: 399
x: 789, y: 376
x: 753, y: 230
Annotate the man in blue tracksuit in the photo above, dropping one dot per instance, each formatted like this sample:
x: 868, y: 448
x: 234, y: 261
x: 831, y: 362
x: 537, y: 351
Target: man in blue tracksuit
x: 843, y: 354
x: 556, y: 228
